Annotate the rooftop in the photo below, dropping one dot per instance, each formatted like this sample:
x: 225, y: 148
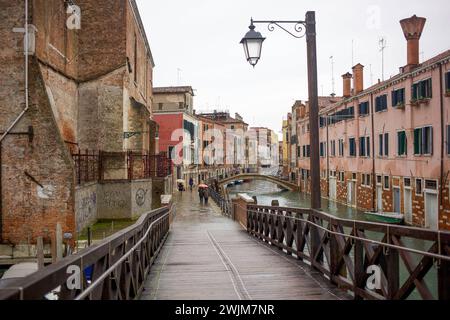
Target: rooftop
x: 178, y: 89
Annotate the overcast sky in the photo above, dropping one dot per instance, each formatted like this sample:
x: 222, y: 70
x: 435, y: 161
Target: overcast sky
x: 196, y: 42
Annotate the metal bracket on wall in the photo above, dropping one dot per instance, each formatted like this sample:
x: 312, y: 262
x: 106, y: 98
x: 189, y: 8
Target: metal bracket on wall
x: 33, y: 179
x: 30, y: 133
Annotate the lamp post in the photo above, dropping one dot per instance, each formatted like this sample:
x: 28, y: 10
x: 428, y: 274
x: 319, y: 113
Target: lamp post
x: 252, y: 43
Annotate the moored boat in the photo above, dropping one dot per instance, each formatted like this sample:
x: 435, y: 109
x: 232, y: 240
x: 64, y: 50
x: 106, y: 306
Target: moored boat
x: 385, y: 217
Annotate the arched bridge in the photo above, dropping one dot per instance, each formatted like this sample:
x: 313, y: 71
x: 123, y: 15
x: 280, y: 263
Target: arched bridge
x: 253, y: 176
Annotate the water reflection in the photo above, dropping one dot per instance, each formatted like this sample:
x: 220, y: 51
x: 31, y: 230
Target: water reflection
x: 267, y: 191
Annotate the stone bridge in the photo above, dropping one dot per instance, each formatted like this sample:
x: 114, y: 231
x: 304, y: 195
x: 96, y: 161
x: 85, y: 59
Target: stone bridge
x: 253, y: 176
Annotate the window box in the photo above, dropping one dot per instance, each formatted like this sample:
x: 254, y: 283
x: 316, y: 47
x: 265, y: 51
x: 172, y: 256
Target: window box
x: 414, y: 102
x: 399, y: 106
x: 424, y: 100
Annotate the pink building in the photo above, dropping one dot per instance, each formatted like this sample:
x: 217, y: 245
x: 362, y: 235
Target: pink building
x: 387, y: 147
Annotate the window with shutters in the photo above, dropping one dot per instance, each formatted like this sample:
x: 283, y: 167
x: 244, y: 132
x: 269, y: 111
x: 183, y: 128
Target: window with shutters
x: 363, y: 109
x: 423, y: 141
x: 422, y: 90
x: 398, y: 97
x: 322, y: 149
x: 383, y: 145
x: 402, y: 149
x: 333, y: 148
x: 448, y: 140
x: 381, y: 103
x: 364, y: 147
x: 447, y: 82
x: 352, y: 147
x: 341, y: 147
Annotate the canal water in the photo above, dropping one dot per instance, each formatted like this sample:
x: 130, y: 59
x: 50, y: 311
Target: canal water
x: 265, y: 192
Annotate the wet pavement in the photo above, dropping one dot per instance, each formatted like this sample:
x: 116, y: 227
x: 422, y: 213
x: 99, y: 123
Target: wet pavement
x: 210, y: 257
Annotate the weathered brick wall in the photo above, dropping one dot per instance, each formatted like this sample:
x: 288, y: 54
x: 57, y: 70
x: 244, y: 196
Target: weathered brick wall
x: 101, y: 38
x: 100, y: 115
x: 29, y: 211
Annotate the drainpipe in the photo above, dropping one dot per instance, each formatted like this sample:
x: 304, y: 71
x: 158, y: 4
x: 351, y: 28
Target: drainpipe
x: 374, y: 178
x: 20, y: 115
x: 441, y: 102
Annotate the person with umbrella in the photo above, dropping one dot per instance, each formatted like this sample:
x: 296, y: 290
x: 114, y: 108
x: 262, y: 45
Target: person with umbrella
x: 201, y: 192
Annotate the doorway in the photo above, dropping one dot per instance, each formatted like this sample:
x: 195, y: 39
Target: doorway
x: 351, y: 193
x: 431, y: 210
x: 380, y: 198
x: 407, y: 198
x: 333, y: 188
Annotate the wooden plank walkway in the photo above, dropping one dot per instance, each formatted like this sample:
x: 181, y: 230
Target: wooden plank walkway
x: 209, y: 257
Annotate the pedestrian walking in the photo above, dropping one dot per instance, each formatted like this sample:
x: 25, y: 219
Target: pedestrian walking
x: 191, y: 183
x: 200, y: 194
x: 206, y: 195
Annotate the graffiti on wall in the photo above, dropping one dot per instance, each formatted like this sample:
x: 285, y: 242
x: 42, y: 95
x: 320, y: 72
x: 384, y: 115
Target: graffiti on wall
x: 86, y: 210
x: 114, y: 200
x: 140, y: 197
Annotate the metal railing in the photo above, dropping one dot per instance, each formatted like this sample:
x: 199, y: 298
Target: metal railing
x: 343, y: 250
x: 225, y: 206
x: 114, y: 269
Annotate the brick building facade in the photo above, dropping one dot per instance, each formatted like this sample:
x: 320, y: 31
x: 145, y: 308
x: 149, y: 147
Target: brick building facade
x: 87, y: 88
x: 387, y: 147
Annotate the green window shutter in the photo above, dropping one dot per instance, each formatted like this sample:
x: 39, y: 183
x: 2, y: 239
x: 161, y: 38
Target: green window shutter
x: 429, y: 88
x: 417, y: 142
x: 386, y: 144
x: 430, y: 138
x: 368, y: 146
x: 448, y: 135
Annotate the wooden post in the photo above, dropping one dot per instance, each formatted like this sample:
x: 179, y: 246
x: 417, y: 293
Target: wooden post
x: 359, y: 266
x: 40, y: 252
x: 89, y: 236
x: 444, y: 280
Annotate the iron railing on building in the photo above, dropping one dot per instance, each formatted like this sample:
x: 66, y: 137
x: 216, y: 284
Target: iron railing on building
x: 93, y: 166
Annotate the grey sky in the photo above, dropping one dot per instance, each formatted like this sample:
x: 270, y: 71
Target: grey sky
x: 201, y: 37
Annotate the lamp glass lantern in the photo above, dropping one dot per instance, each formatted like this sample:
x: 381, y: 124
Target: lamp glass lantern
x: 252, y: 43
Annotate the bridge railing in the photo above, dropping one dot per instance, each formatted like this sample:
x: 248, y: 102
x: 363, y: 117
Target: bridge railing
x: 114, y: 269
x: 224, y: 205
x: 372, y: 260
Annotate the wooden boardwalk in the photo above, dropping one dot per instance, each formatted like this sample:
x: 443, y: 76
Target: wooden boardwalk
x: 210, y: 257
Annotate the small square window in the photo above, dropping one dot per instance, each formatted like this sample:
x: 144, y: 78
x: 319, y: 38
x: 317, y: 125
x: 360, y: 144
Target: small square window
x: 379, y: 178
x: 354, y: 176
x: 407, y: 182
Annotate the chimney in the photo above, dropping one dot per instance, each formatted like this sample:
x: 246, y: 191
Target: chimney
x: 412, y: 29
x: 358, y: 78
x: 347, y: 79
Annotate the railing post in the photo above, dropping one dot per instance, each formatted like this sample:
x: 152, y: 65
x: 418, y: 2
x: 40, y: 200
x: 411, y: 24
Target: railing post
x: 359, y: 266
x: 315, y: 240
x: 444, y: 280
x: 334, y: 248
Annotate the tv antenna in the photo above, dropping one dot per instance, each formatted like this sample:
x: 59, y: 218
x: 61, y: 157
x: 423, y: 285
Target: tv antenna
x: 332, y: 75
x: 179, y: 76
x: 383, y: 44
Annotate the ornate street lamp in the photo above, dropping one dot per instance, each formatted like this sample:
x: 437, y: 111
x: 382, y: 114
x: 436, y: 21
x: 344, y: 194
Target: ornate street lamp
x: 252, y: 43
